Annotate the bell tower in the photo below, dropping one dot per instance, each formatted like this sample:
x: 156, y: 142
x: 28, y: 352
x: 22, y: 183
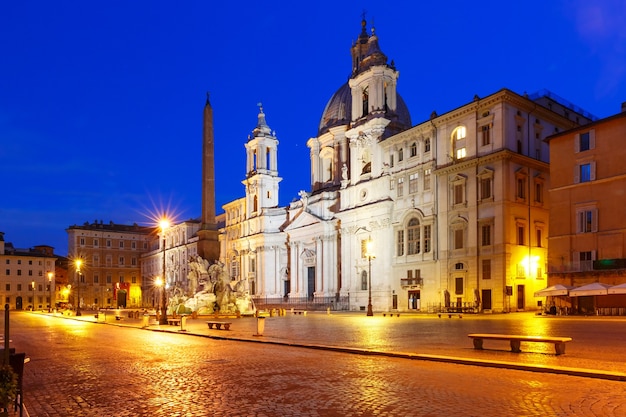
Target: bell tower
x: 261, y: 168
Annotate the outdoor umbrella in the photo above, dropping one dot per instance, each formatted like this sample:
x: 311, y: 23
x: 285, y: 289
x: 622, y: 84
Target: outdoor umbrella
x: 597, y: 288
x: 618, y: 289
x: 554, y: 290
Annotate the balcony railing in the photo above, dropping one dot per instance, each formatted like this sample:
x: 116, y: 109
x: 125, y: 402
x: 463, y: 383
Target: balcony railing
x: 408, y: 282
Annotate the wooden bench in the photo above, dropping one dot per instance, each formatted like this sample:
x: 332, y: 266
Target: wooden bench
x: 173, y: 321
x: 515, y: 340
x: 218, y: 325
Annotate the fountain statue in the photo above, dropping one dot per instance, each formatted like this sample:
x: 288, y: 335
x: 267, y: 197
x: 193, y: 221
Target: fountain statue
x: 211, y: 291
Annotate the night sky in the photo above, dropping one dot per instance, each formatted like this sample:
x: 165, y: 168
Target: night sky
x: 101, y: 102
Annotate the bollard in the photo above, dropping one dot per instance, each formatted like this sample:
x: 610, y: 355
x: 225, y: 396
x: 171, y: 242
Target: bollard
x: 328, y: 311
x: 260, y: 325
x: 183, y: 323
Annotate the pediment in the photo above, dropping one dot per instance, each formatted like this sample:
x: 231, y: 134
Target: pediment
x: 302, y: 219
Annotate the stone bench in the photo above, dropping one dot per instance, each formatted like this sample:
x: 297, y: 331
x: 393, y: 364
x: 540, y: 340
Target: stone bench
x: 173, y: 321
x: 515, y: 340
x: 218, y: 325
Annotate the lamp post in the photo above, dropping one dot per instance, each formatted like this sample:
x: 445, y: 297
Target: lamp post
x: 32, y: 286
x: 50, y: 291
x: 78, y: 263
x: 163, y: 224
x: 370, y: 255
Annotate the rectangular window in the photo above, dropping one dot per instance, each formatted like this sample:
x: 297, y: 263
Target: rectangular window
x: 520, y: 235
x: 486, y: 135
x: 399, y: 190
x: 458, y: 286
x: 108, y: 243
x: 133, y: 280
x: 19, y: 272
x: 539, y: 244
x: 82, y: 241
x: 19, y: 287
x: 539, y: 192
x: 485, y: 188
x: 364, y: 248
x: 133, y: 261
x: 458, y: 239
x: 585, y: 172
x: 486, y: 235
x: 427, y: 179
x: 96, y: 242
x: 459, y: 193
x: 121, y: 261
x: 486, y: 268
x: 7, y: 287
x: 521, y: 188
x: 587, y: 221
x: 427, y: 145
x: 121, y: 278
x: 413, y: 183
x: 121, y: 244
x: 461, y: 153
x: 400, y: 243
x: 109, y: 280
x: 427, y: 238
x: 584, y: 142
x: 96, y: 278
x: 391, y: 161
x: 133, y: 245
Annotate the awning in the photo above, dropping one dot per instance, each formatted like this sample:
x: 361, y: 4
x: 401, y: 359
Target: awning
x: 554, y: 290
x: 618, y: 289
x: 597, y: 288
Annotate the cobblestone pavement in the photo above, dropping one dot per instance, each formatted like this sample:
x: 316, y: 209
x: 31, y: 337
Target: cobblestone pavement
x: 79, y: 368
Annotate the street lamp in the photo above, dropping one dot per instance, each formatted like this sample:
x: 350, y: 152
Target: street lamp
x: 50, y: 291
x: 32, y: 286
x: 370, y: 255
x: 163, y: 224
x: 77, y: 264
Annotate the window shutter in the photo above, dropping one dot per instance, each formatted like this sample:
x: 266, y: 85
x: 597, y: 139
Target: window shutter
x: 577, y: 143
x: 592, y: 174
x: 592, y: 139
x: 594, y: 220
x: 576, y: 174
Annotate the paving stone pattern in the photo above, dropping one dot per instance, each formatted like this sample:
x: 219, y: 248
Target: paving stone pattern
x: 79, y: 368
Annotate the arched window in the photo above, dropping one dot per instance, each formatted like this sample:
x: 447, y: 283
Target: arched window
x: 365, y: 99
x: 427, y: 145
x: 413, y: 237
x: 414, y: 149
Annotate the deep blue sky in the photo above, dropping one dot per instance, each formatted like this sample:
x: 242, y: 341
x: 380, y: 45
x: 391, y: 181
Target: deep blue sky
x: 101, y: 102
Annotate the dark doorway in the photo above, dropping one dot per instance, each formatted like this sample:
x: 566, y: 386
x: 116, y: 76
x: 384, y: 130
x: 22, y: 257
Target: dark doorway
x: 521, y: 297
x: 18, y: 303
x: 287, y: 288
x: 121, y: 299
x: 414, y: 300
x: 486, y: 299
x: 311, y: 282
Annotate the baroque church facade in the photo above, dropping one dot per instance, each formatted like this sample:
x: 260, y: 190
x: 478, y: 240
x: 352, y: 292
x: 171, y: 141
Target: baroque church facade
x: 449, y: 213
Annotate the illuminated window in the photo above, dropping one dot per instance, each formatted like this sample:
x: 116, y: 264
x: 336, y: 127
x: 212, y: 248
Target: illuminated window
x: 461, y: 153
x: 585, y: 172
x: 459, y: 133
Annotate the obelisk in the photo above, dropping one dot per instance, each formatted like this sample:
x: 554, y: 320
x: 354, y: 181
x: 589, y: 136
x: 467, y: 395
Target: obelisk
x: 208, y: 242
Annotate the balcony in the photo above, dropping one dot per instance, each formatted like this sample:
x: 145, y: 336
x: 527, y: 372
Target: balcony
x: 411, y: 282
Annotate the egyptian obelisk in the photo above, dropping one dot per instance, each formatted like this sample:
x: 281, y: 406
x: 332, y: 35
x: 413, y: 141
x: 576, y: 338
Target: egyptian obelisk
x: 208, y: 242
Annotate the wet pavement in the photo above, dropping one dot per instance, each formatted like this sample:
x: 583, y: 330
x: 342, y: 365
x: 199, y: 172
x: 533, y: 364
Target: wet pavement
x: 597, y: 346
x: 319, y: 364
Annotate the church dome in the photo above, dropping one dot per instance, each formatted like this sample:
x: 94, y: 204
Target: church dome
x: 338, y: 112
